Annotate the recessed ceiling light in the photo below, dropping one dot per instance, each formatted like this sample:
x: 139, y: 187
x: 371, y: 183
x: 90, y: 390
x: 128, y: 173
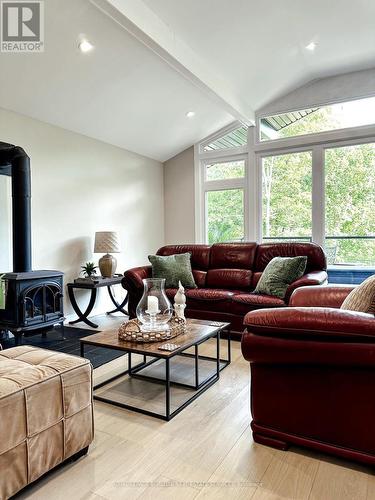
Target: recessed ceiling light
x: 85, y: 46
x: 190, y: 114
x: 311, y: 46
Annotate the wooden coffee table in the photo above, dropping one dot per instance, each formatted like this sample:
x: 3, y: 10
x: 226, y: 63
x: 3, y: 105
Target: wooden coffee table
x: 198, y: 332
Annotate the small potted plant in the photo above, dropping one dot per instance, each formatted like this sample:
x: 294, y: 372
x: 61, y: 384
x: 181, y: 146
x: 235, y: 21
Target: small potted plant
x: 88, y: 271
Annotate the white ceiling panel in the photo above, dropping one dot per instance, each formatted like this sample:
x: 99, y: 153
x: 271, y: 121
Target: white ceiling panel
x: 121, y: 92
x: 259, y: 47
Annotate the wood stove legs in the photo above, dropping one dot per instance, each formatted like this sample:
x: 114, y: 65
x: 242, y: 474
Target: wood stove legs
x: 19, y: 336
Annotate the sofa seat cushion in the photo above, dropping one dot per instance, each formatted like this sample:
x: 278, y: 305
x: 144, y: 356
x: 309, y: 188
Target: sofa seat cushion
x: 207, y: 299
x: 246, y: 302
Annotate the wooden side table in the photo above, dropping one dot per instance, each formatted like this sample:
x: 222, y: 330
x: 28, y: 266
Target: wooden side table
x: 107, y: 282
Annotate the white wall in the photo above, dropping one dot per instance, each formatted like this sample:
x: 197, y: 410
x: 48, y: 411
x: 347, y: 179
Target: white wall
x: 79, y: 186
x: 179, y: 198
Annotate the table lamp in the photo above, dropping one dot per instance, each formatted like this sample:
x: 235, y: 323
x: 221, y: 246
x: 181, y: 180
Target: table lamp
x: 105, y: 242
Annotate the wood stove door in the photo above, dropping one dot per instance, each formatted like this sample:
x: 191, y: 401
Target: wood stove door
x: 41, y: 303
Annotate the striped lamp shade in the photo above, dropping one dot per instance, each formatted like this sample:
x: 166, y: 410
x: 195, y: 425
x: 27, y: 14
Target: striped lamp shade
x: 107, y: 242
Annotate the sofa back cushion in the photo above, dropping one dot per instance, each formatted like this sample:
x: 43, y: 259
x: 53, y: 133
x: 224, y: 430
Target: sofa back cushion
x: 200, y: 278
x: 238, y: 279
x: 316, y: 259
x: 233, y: 255
x: 200, y: 254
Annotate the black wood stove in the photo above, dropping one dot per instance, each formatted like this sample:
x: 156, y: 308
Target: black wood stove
x: 33, y: 299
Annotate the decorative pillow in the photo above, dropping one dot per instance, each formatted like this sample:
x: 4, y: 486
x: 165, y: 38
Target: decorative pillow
x: 173, y: 268
x: 279, y: 273
x: 362, y: 298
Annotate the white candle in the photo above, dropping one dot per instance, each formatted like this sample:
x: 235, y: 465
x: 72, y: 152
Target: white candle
x: 152, y: 304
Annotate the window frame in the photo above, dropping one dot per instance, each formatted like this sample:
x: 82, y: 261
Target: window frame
x: 222, y: 185
x: 255, y: 150
x: 327, y: 135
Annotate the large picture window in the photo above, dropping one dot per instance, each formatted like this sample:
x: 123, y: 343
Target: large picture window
x: 350, y: 205
x: 286, y: 197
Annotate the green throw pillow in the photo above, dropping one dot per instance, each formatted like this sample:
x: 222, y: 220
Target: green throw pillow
x: 173, y: 268
x: 279, y: 273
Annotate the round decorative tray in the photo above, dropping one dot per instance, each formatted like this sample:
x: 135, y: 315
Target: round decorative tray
x: 131, y: 331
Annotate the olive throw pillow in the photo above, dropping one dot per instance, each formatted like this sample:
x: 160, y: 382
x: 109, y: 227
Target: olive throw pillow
x: 279, y: 273
x: 362, y: 298
x: 173, y: 268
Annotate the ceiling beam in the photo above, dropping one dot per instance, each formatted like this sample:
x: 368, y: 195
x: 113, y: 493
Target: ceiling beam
x: 139, y: 20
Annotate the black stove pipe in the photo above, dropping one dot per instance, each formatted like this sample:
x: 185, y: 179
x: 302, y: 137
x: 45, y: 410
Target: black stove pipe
x: 15, y: 162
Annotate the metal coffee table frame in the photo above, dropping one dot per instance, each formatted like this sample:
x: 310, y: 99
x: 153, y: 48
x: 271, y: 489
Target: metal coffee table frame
x: 198, y: 387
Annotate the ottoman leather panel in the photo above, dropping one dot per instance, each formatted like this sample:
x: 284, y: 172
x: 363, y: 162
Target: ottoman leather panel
x: 12, y: 430
x: 16, y: 351
x: 29, y: 375
x: 10, y: 365
x: 37, y: 397
x: 78, y: 431
x: 46, y: 413
x: 45, y: 450
x: 77, y: 391
x: 13, y: 467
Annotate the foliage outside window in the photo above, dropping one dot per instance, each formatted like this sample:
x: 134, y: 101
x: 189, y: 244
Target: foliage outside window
x: 350, y: 204
x: 225, y: 215
x: 286, y: 196
x: 225, y: 170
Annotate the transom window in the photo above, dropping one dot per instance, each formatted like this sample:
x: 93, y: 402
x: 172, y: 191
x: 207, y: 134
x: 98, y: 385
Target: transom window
x: 319, y: 119
x: 233, y: 139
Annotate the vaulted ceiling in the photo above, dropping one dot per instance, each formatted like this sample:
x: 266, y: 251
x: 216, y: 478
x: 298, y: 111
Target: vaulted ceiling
x: 155, y: 60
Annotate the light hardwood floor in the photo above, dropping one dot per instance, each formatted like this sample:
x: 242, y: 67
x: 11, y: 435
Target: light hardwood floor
x: 206, y: 452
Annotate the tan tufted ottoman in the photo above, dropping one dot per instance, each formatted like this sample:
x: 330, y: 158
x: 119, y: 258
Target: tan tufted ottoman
x: 46, y: 413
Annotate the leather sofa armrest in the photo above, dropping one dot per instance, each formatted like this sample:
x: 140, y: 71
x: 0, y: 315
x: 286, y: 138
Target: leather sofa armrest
x: 311, y: 322
x: 320, y: 296
x: 315, y: 336
x: 133, y: 277
x: 308, y: 279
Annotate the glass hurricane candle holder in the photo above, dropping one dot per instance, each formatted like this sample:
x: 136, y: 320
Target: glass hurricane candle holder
x: 154, y: 309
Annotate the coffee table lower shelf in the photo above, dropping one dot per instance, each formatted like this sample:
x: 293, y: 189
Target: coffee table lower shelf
x: 187, y: 372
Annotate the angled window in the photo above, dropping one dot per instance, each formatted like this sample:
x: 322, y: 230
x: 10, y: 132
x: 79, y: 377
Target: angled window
x: 233, y: 139
x: 319, y: 119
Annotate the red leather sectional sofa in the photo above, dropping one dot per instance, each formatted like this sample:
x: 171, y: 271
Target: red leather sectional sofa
x: 313, y: 374
x: 226, y: 274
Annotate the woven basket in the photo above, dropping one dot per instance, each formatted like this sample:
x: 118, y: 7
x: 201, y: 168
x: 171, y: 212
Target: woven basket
x: 131, y: 331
